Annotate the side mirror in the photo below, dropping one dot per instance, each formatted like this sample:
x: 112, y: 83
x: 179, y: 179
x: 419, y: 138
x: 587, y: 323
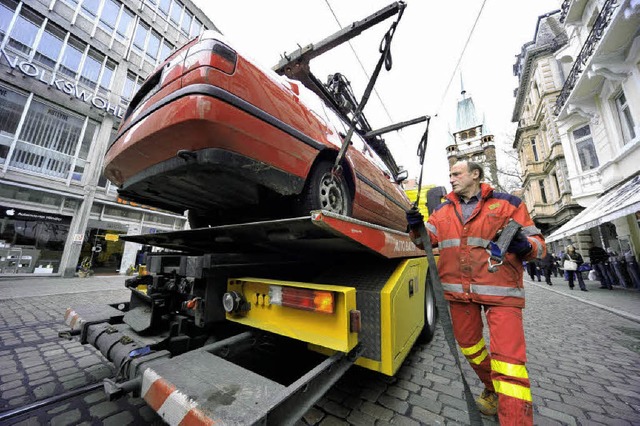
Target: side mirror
x: 402, y: 176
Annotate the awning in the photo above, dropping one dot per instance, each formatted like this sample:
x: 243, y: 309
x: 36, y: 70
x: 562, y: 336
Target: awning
x: 619, y: 202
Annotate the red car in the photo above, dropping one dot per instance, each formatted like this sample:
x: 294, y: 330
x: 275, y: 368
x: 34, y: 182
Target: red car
x: 213, y: 133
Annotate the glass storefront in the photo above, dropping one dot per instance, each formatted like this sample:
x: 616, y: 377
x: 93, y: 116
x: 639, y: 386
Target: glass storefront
x: 102, y: 249
x: 31, y: 241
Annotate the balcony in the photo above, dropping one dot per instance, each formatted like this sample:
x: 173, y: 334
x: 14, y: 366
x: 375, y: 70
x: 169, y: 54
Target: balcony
x: 587, y: 51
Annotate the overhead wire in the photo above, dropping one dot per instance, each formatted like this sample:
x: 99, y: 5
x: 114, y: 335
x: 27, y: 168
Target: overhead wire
x: 384, y: 107
x: 466, y: 44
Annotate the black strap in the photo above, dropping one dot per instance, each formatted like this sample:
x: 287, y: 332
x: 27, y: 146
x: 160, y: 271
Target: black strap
x: 385, y: 58
x: 443, y: 309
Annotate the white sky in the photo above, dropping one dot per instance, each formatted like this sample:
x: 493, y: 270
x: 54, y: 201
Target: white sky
x: 425, y: 48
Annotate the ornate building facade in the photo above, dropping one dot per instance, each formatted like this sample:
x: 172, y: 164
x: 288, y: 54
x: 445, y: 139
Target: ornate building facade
x: 546, y: 187
x: 598, y: 118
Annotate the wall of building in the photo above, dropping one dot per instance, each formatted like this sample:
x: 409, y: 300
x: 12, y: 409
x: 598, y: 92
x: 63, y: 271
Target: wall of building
x: 67, y: 71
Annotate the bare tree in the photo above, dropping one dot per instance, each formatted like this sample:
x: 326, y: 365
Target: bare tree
x: 509, y: 173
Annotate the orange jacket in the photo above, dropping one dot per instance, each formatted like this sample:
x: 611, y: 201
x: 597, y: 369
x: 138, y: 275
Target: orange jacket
x: 463, y: 265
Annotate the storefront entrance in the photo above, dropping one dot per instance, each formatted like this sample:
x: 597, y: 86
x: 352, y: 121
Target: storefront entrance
x: 31, y: 241
x: 102, y: 249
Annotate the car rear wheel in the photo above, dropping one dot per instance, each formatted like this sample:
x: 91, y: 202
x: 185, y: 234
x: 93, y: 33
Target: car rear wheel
x: 326, y: 191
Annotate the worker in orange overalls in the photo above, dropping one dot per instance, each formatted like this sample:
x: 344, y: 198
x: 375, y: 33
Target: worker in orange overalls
x: 463, y: 228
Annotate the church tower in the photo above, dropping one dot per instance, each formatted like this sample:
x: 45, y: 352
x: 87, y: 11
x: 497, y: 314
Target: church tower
x: 471, y: 139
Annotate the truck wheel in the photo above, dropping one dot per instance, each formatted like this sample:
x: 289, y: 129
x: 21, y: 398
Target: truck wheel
x: 325, y: 191
x: 430, y: 314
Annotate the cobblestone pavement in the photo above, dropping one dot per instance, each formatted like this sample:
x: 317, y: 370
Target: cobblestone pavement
x: 583, y: 349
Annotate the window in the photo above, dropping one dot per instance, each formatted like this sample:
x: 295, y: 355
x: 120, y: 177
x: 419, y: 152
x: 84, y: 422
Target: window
x: 131, y: 86
x: 140, y: 38
x: 534, y: 149
x: 72, y: 56
x: 7, y: 8
x: 107, y: 76
x: 543, y: 193
x: 196, y: 28
x: 90, y: 7
x: 109, y: 15
x: 87, y: 140
x: 50, y: 46
x: 585, y: 147
x: 153, y: 46
x: 163, y: 7
x: 123, y: 31
x: 165, y: 50
x: 176, y: 11
x: 91, y: 69
x: 11, y: 106
x: 24, y: 31
x: 47, y: 142
x: 626, y: 119
x: 185, y: 25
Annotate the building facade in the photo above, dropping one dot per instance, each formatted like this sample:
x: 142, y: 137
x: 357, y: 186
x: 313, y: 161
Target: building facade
x: 472, y: 141
x: 546, y: 187
x: 598, y: 118
x: 68, y: 69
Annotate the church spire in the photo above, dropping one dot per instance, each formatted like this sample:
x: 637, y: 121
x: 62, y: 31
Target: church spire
x: 462, y: 91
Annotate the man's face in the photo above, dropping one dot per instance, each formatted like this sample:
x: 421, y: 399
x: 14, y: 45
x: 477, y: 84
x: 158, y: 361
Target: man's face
x: 462, y: 181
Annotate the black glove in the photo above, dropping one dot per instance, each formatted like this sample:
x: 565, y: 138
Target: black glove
x: 520, y: 245
x: 415, y: 219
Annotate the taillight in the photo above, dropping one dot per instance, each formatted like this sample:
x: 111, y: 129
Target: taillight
x: 212, y: 53
x: 301, y: 298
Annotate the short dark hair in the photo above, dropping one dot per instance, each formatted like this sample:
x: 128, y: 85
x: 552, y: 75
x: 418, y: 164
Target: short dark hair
x: 472, y: 165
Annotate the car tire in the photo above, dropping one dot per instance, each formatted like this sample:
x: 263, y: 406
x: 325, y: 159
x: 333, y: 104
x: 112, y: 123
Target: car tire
x: 430, y: 314
x: 325, y: 190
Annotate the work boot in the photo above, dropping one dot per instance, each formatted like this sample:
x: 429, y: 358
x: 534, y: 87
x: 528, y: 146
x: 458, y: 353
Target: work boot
x: 488, y: 403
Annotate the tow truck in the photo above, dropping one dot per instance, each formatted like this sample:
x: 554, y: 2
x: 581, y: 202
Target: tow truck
x: 252, y: 323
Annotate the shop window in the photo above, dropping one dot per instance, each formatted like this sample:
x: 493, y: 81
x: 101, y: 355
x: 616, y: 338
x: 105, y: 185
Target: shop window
x: 50, y: 46
x: 585, y: 147
x: 7, y: 9
x: 24, y: 31
x: 626, y: 119
x: 11, y: 107
x: 47, y: 141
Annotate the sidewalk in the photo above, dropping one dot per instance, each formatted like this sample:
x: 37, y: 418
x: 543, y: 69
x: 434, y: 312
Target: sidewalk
x: 620, y: 301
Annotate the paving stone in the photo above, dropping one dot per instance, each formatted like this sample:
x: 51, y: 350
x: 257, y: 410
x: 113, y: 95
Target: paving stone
x: 52, y: 353
x: 40, y: 381
x: 358, y: 418
x: 395, y: 404
x: 19, y: 401
x: 44, y: 391
x: 376, y: 411
x: 14, y: 392
x: 10, y: 385
x: 425, y: 403
x: 336, y: 409
x: 36, y: 368
x: 38, y: 375
x: 313, y: 416
x: 103, y: 409
x: 59, y: 409
x: 557, y: 415
x: 121, y: 419
x: 31, y: 421
x: 426, y: 417
x: 58, y: 366
x: 75, y: 383
x: 333, y: 421
x: 398, y: 392
x: 95, y: 397
x: 66, y: 418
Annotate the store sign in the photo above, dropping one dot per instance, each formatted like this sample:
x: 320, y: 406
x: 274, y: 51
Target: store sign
x: 19, y: 214
x: 70, y: 88
x: 111, y: 237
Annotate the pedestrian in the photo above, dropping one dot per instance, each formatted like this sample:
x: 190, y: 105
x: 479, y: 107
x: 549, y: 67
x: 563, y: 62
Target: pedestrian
x: 600, y: 261
x: 555, y: 267
x: 632, y: 268
x: 547, y: 263
x: 573, y: 256
x: 616, y: 262
x: 533, y: 269
x: 463, y: 227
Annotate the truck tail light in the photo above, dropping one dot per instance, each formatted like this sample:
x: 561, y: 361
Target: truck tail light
x: 302, y: 298
x: 214, y: 54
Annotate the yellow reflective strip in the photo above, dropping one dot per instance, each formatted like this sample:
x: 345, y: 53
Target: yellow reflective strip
x: 513, y: 390
x: 477, y: 360
x: 473, y: 349
x: 513, y: 370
